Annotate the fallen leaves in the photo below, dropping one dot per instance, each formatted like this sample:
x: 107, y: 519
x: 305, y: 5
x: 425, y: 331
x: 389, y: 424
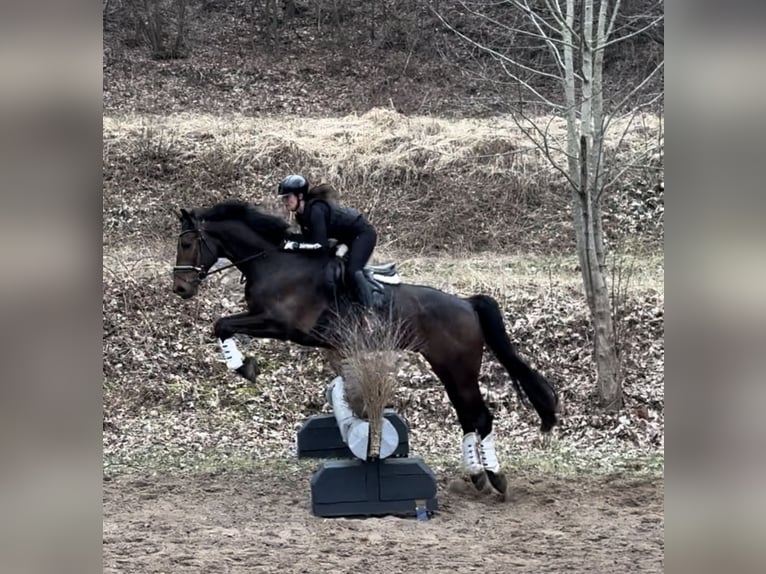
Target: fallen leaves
x: 168, y: 395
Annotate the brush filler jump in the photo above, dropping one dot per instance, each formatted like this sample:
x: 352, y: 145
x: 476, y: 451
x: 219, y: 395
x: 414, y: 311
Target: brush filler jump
x: 356, y: 483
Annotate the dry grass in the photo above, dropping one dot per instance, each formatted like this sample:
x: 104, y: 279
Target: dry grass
x: 428, y: 184
x: 500, y: 274
x: 380, y: 145
x: 369, y: 355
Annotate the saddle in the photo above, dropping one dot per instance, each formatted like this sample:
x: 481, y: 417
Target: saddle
x: 377, y: 276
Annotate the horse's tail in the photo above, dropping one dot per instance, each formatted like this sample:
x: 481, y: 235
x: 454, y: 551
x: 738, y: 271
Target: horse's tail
x: 539, y: 391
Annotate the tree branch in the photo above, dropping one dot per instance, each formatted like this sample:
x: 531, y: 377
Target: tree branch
x: 559, y: 17
x: 627, y: 168
x: 653, y: 147
x: 543, y: 144
x: 651, y: 24
x: 530, y: 14
x: 549, y: 41
x: 506, y: 60
x: 493, y: 51
x: 636, y: 89
x: 614, y: 17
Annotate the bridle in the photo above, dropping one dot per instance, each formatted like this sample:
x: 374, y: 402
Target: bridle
x: 202, y: 273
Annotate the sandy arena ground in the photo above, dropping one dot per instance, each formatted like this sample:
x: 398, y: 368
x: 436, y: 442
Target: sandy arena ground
x: 259, y: 520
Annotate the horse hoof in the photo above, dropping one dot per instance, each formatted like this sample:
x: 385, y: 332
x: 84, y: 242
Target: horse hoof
x: 498, y: 481
x: 479, y: 480
x: 250, y: 369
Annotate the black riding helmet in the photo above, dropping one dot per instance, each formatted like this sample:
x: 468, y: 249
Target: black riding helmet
x: 295, y: 184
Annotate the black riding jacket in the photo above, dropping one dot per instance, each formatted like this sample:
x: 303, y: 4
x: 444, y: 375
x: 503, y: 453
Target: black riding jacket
x: 321, y: 220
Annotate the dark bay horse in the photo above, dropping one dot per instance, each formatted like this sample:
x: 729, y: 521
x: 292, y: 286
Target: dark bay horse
x: 288, y: 299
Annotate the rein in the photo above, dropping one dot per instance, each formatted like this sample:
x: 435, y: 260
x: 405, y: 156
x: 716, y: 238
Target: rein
x: 230, y: 265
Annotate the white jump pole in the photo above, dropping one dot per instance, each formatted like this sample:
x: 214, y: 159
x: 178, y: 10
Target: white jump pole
x: 355, y: 431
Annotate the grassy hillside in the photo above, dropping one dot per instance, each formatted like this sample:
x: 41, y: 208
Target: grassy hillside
x: 428, y: 184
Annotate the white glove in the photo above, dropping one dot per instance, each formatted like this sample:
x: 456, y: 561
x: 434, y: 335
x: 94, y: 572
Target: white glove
x: 341, y: 250
x: 294, y: 245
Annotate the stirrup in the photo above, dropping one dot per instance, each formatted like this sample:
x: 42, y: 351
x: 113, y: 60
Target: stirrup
x: 363, y: 290
x: 384, y: 269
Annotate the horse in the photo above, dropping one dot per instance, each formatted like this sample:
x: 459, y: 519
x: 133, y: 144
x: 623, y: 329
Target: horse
x: 288, y: 299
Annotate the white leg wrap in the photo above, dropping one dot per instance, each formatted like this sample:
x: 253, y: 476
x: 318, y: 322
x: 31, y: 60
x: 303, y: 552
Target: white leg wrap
x: 488, y: 454
x: 471, y: 460
x: 234, y: 359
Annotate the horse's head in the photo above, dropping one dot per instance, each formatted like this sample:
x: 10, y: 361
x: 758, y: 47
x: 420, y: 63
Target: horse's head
x: 196, y: 254
x: 233, y: 229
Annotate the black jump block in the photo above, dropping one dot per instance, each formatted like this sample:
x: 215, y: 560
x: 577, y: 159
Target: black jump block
x: 319, y: 437
x: 375, y: 488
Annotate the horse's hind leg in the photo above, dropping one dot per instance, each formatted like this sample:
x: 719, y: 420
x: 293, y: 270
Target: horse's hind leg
x: 485, y: 444
x: 460, y: 375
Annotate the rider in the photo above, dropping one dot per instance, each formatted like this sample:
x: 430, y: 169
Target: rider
x: 320, y: 219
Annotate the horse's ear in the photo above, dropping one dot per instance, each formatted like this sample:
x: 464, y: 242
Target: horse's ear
x: 184, y: 215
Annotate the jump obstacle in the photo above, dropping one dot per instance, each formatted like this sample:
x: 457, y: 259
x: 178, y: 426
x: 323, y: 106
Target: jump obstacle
x: 352, y: 485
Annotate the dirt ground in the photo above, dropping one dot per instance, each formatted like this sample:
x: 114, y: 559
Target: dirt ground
x: 257, y: 520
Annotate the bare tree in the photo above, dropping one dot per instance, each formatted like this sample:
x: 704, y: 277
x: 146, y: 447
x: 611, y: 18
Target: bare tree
x: 154, y: 18
x: 575, y: 38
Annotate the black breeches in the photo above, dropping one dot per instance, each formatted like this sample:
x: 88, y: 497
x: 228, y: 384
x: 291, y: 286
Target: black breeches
x: 360, y: 250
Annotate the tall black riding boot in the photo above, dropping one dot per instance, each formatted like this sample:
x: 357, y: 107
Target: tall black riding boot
x: 363, y: 289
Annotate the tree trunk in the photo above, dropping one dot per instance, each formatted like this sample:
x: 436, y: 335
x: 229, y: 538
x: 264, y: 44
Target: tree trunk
x: 597, y: 150
x: 372, y: 21
x: 271, y: 8
x: 340, y: 32
x: 153, y: 28
x: 180, y: 43
x: 608, y: 384
x: 570, y: 94
x: 290, y: 9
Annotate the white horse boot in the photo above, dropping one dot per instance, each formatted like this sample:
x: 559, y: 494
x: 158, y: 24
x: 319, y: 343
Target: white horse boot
x: 488, y: 458
x: 487, y: 453
x: 472, y: 460
x: 234, y: 359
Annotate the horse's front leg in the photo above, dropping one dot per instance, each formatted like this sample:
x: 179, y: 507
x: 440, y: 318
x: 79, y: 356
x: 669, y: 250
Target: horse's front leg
x: 225, y: 329
x: 258, y: 326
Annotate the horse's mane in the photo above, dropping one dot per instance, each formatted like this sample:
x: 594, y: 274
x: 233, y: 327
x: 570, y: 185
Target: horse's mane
x: 323, y: 191
x: 270, y: 227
